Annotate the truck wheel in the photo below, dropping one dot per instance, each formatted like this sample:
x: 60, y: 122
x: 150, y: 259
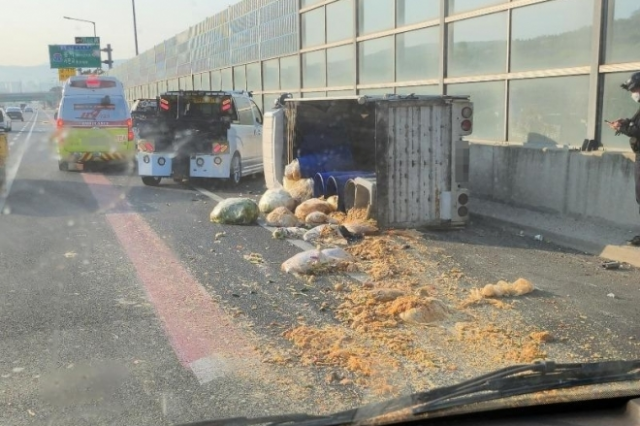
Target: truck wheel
x: 63, y: 166
x: 235, y: 174
x: 151, y: 180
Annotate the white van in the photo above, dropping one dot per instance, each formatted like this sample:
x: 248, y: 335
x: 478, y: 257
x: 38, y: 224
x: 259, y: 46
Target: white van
x: 93, y: 123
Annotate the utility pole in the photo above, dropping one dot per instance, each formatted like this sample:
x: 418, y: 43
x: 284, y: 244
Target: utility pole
x: 135, y: 26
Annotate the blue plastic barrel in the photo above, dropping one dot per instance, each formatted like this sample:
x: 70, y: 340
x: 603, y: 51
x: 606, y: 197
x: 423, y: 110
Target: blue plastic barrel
x: 320, y: 138
x: 320, y: 180
x: 339, y: 159
x: 319, y: 184
x: 335, y: 185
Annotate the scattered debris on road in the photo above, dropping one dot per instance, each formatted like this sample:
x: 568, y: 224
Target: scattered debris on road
x: 235, y: 211
x: 611, y: 265
x: 70, y: 254
x: 275, y: 198
x: 502, y: 288
x: 409, y: 316
x: 312, y: 206
x: 285, y: 233
x: 255, y: 258
x: 399, y: 319
x: 282, y: 217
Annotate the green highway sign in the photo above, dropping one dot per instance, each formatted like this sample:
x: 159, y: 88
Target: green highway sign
x: 74, y: 56
x: 88, y: 40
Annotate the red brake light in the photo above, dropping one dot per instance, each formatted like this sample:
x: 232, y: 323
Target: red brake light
x: 146, y: 146
x: 220, y: 148
x: 93, y: 81
x: 59, y: 123
x: 130, y: 135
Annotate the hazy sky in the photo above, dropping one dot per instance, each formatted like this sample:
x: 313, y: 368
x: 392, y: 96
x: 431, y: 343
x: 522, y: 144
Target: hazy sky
x: 29, y: 26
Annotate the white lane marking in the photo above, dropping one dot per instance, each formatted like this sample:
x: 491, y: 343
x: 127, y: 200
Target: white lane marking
x: 300, y: 244
x: 209, y: 194
x: 211, y: 368
x: 12, y: 170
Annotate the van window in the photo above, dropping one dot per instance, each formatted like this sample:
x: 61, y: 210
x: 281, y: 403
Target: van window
x: 192, y: 106
x: 243, y: 106
x: 204, y: 111
x: 93, y: 84
x: 1, y: 115
x: 93, y: 108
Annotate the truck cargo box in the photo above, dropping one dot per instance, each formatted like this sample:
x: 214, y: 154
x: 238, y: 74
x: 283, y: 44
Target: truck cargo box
x: 407, y: 152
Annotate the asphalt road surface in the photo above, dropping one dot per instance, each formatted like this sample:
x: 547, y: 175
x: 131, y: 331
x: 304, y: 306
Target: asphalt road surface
x: 120, y: 306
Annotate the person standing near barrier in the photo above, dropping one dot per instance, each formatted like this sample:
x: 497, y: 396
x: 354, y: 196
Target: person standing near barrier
x: 631, y: 127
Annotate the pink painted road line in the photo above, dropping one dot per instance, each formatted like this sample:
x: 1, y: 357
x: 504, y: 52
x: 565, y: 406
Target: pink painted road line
x: 196, y: 326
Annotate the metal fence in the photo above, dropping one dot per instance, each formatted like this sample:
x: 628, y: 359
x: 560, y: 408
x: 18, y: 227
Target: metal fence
x: 542, y: 72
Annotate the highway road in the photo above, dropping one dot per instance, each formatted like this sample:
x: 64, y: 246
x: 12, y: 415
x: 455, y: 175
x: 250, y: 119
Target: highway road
x: 123, y: 304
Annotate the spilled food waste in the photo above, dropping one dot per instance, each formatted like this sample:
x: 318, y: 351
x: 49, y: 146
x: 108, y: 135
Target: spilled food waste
x: 406, y: 318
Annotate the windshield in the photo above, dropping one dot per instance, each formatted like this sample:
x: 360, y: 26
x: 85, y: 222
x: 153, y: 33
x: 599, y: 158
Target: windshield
x: 241, y: 208
x: 96, y: 108
x: 212, y: 106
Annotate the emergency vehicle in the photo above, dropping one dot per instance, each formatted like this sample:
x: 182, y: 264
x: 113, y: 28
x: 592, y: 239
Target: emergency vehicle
x: 93, y: 123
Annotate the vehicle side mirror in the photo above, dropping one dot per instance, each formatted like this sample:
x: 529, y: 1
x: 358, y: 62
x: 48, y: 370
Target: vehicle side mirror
x: 55, y: 115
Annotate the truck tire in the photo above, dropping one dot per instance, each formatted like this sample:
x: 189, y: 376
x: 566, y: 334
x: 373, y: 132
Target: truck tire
x: 235, y: 172
x: 63, y: 166
x: 151, y: 180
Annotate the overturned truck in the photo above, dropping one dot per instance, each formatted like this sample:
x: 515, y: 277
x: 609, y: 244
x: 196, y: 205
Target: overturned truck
x: 403, y: 158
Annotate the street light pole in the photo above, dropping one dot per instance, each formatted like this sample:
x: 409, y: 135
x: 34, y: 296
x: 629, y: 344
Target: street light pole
x: 135, y: 27
x: 84, y: 20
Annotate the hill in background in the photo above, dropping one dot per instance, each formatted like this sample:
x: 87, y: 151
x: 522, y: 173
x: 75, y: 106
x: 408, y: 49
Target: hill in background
x: 15, y: 78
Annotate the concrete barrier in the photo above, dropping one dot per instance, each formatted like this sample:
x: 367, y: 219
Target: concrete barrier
x: 596, y: 185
